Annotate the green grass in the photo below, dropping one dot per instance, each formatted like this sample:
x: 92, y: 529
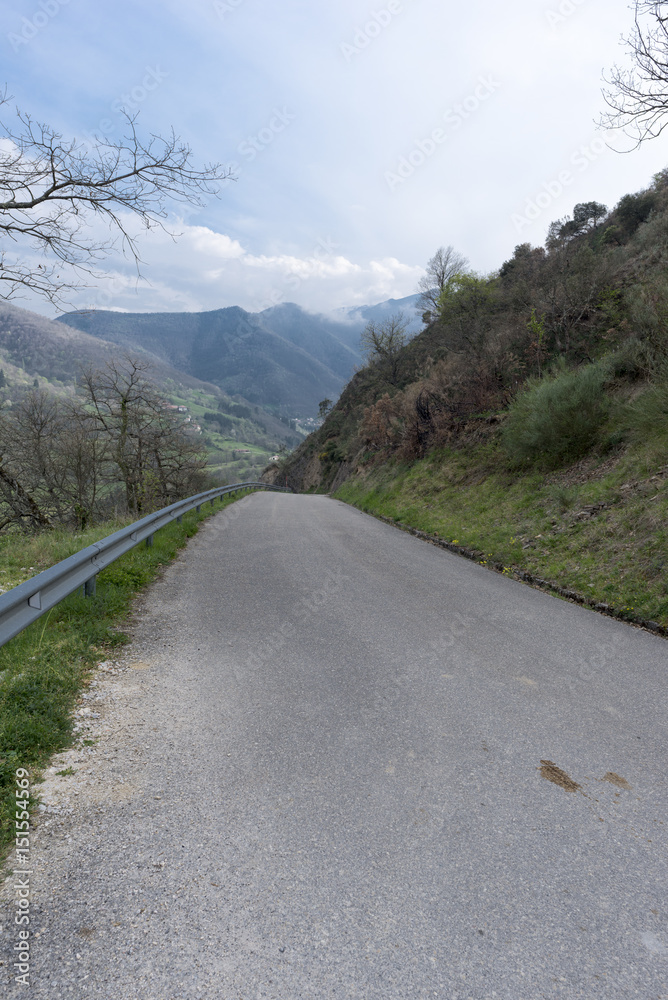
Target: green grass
x: 615, y: 554
x: 45, y: 667
x: 22, y: 556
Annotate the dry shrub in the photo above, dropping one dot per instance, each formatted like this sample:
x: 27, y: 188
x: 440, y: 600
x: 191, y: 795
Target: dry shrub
x: 432, y: 410
x: 381, y: 426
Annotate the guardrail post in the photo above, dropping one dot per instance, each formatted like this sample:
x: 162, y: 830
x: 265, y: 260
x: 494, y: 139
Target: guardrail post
x: 179, y: 519
x: 89, y: 587
x: 213, y: 501
x: 198, y: 507
x: 149, y: 541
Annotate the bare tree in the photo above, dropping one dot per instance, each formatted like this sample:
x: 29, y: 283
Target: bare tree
x: 51, y: 188
x: 638, y: 97
x: 83, y: 455
x: 441, y: 268
x: 156, y: 459
x: 51, y: 463
x: 17, y: 505
x: 382, y: 344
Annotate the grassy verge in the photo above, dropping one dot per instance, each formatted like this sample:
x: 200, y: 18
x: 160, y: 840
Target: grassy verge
x: 598, y: 528
x: 43, y: 669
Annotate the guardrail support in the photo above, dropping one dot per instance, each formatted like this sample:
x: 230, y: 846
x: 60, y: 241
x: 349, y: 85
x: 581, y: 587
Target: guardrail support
x: 149, y: 541
x: 89, y: 587
x: 179, y: 519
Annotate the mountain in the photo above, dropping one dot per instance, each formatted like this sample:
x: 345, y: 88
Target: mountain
x: 334, y: 344
x: 283, y: 359
x: 32, y: 346
x: 357, y: 317
x: 236, y: 350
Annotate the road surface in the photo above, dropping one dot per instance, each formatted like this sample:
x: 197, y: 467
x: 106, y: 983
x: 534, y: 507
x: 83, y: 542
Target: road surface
x: 338, y: 762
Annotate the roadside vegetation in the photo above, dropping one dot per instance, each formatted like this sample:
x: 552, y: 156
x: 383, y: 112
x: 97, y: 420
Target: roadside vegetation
x: 114, y: 449
x: 529, y: 419
x: 45, y: 668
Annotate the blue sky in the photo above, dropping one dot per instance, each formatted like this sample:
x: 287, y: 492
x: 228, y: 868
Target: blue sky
x: 363, y: 135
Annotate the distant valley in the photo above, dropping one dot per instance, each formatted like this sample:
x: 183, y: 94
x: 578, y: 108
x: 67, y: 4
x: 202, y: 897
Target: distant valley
x: 249, y: 383
x: 39, y: 353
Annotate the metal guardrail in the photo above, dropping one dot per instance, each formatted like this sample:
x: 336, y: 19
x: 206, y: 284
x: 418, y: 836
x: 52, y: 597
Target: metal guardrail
x: 24, y: 604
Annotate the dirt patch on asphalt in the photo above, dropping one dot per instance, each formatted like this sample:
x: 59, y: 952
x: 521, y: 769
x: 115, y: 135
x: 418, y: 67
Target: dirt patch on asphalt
x: 616, y: 779
x: 549, y: 770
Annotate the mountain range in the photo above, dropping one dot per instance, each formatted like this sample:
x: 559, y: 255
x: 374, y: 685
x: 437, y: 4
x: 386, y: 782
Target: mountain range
x: 283, y: 359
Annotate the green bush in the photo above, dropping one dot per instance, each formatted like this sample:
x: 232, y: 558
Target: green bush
x: 557, y: 419
x: 627, y: 364
x: 331, y: 453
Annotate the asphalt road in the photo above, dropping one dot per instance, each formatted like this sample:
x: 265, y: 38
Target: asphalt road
x: 344, y: 763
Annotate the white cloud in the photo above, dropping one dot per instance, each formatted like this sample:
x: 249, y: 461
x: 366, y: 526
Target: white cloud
x: 208, y: 243
x: 194, y: 268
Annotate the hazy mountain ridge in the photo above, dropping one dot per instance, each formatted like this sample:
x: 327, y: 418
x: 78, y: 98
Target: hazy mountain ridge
x: 359, y: 316
x: 55, y: 351
x: 36, y: 351
x: 283, y: 358
x: 229, y: 347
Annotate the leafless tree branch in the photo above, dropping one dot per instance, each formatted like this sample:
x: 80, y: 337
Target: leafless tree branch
x: 638, y: 96
x: 51, y: 188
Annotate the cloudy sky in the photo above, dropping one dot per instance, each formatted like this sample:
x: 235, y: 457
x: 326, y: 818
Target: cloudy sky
x: 363, y: 134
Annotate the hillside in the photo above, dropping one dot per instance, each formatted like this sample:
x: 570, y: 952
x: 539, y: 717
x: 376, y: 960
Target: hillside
x: 528, y: 425
x: 33, y: 346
